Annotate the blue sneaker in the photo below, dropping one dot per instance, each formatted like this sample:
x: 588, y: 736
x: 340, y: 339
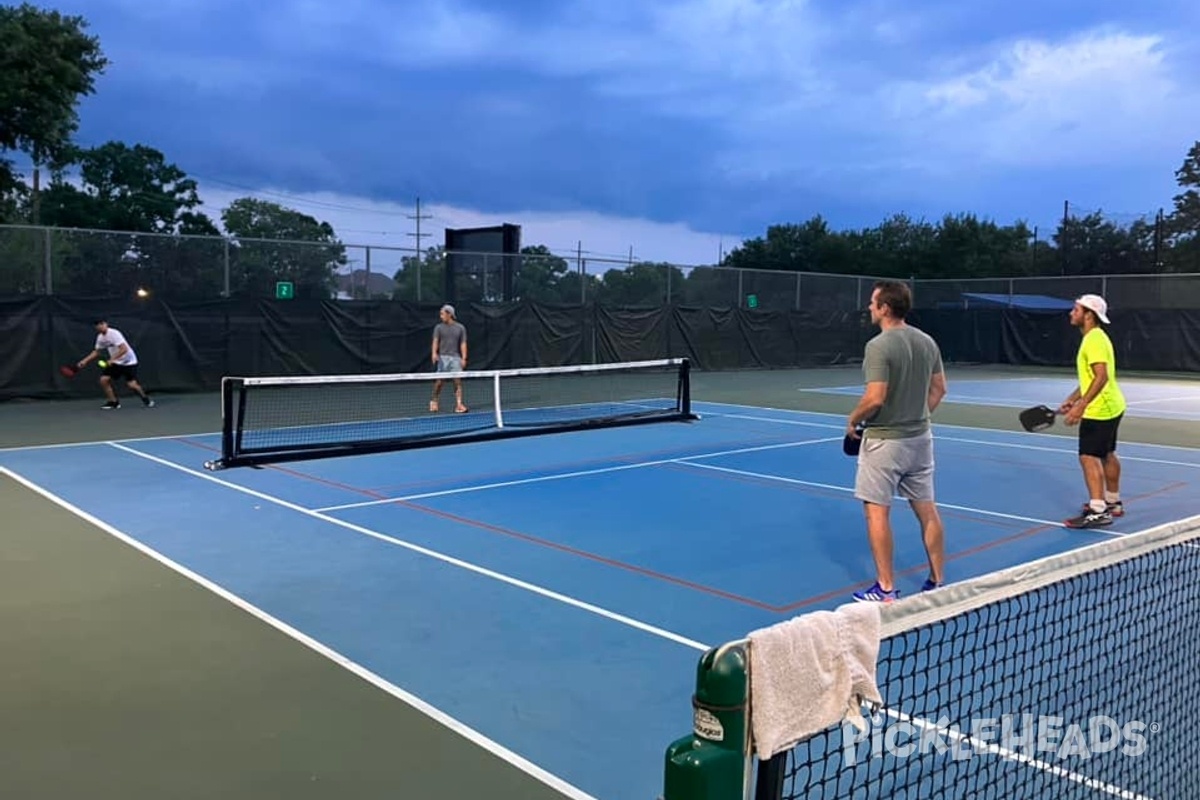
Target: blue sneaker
x: 929, y: 585
x: 877, y: 595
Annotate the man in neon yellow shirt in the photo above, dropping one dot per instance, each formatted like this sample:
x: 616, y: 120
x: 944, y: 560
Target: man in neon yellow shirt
x: 1096, y: 406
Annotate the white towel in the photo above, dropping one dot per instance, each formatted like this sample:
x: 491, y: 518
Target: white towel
x: 810, y: 672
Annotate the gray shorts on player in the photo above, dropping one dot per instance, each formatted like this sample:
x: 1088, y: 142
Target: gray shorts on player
x: 887, y: 467
x: 449, y: 364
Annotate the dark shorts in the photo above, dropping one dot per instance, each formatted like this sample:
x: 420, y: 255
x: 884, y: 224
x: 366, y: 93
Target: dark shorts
x: 118, y: 371
x: 1098, y: 437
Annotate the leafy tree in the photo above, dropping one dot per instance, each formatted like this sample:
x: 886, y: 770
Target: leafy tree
x: 432, y: 268
x: 1185, y: 220
x: 117, y: 192
x: 274, y: 243
x: 47, y: 62
x: 642, y: 284
x: 1182, y: 228
x: 548, y: 278
x: 123, y: 188
x: 809, y: 247
x: 1093, y: 245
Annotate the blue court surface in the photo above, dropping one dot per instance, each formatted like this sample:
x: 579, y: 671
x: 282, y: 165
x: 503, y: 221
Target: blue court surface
x: 1163, y: 399
x: 552, y: 593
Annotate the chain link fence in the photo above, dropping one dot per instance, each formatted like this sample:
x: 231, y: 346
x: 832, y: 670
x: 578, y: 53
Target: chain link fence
x: 41, y: 260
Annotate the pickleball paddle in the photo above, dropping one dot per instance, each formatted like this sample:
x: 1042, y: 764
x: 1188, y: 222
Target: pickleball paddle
x: 1037, y: 418
x: 851, y: 444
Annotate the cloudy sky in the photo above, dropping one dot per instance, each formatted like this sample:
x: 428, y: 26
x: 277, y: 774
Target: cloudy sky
x: 675, y: 127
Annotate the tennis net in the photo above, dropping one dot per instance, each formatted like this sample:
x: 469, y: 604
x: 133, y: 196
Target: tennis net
x: 1065, y: 678
x: 274, y: 419
x: 1068, y: 677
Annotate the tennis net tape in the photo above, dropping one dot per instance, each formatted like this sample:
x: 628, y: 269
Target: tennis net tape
x: 271, y: 419
x: 1068, y: 677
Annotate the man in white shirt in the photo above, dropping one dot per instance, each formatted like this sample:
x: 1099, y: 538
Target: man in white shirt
x: 122, y: 363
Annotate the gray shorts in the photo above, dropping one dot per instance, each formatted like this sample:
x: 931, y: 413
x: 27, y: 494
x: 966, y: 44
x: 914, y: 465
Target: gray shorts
x: 449, y: 364
x: 890, y: 466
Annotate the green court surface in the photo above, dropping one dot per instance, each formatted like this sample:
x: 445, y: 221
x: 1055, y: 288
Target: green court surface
x: 123, y: 679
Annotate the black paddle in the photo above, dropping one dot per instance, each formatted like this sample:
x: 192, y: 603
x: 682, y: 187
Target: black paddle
x: 1037, y: 418
x: 851, y: 444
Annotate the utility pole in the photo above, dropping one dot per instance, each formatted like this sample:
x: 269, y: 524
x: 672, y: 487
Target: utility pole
x: 1062, y: 245
x: 418, y: 236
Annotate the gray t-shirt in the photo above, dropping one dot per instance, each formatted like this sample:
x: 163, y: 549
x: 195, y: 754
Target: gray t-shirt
x: 449, y: 336
x: 907, y: 359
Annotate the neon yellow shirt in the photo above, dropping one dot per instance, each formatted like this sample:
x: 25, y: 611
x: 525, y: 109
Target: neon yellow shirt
x: 1096, y: 348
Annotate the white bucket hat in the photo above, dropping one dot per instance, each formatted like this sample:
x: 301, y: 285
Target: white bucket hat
x: 1096, y: 303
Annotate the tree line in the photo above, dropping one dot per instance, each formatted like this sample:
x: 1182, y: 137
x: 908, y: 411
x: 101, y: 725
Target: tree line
x: 49, y: 61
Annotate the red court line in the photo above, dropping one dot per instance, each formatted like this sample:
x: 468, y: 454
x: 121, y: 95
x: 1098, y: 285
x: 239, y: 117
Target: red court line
x: 846, y: 590
x: 709, y: 590
x: 964, y: 553
x: 611, y: 562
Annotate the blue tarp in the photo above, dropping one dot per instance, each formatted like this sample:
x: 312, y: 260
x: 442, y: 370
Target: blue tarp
x: 1029, y: 302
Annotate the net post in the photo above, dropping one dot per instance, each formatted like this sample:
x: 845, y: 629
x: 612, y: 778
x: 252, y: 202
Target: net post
x: 685, y: 387
x: 228, y: 433
x: 713, y: 762
x: 226, y: 420
x: 496, y: 400
x: 239, y: 423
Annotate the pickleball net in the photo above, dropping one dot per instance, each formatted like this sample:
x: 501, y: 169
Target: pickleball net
x: 272, y: 419
x: 1068, y: 677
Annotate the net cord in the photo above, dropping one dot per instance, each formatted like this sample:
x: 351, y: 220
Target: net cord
x: 306, y: 380
x: 1006, y: 584
x: 948, y: 602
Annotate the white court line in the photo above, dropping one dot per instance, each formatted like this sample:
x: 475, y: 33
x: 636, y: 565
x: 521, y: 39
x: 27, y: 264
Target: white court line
x: 971, y: 509
x: 425, y: 551
x: 1001, y: 431
x: 1193, y: 398
x: 564, y: 475
x: 1008, y: 402
x: 1012, y: 755
x: 97, y: 442
x: 437, y: 715
x: 942, y: 438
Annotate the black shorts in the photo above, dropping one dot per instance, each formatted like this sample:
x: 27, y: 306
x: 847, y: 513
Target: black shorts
x: 118, y: 371
x: 1098, y: 437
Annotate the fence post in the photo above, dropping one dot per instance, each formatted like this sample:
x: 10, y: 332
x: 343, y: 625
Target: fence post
x: 225, y: 291
x: 798, y: 273
x: 47, y: 262
x: 740, y: 295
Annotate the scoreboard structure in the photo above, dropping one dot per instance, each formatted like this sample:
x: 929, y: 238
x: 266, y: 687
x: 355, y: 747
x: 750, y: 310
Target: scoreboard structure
x: 482, y: 263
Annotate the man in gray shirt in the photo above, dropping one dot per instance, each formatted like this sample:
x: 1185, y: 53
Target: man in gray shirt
x: 449, y: 354
x: 905, y: 382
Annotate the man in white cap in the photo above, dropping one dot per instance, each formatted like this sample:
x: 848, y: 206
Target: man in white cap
x: 449, y: 354
x: 1096, y: 406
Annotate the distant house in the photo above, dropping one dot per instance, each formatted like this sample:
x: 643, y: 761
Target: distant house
x: 361, y: 285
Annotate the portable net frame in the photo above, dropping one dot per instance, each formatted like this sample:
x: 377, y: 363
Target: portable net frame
x: 275, y: 419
